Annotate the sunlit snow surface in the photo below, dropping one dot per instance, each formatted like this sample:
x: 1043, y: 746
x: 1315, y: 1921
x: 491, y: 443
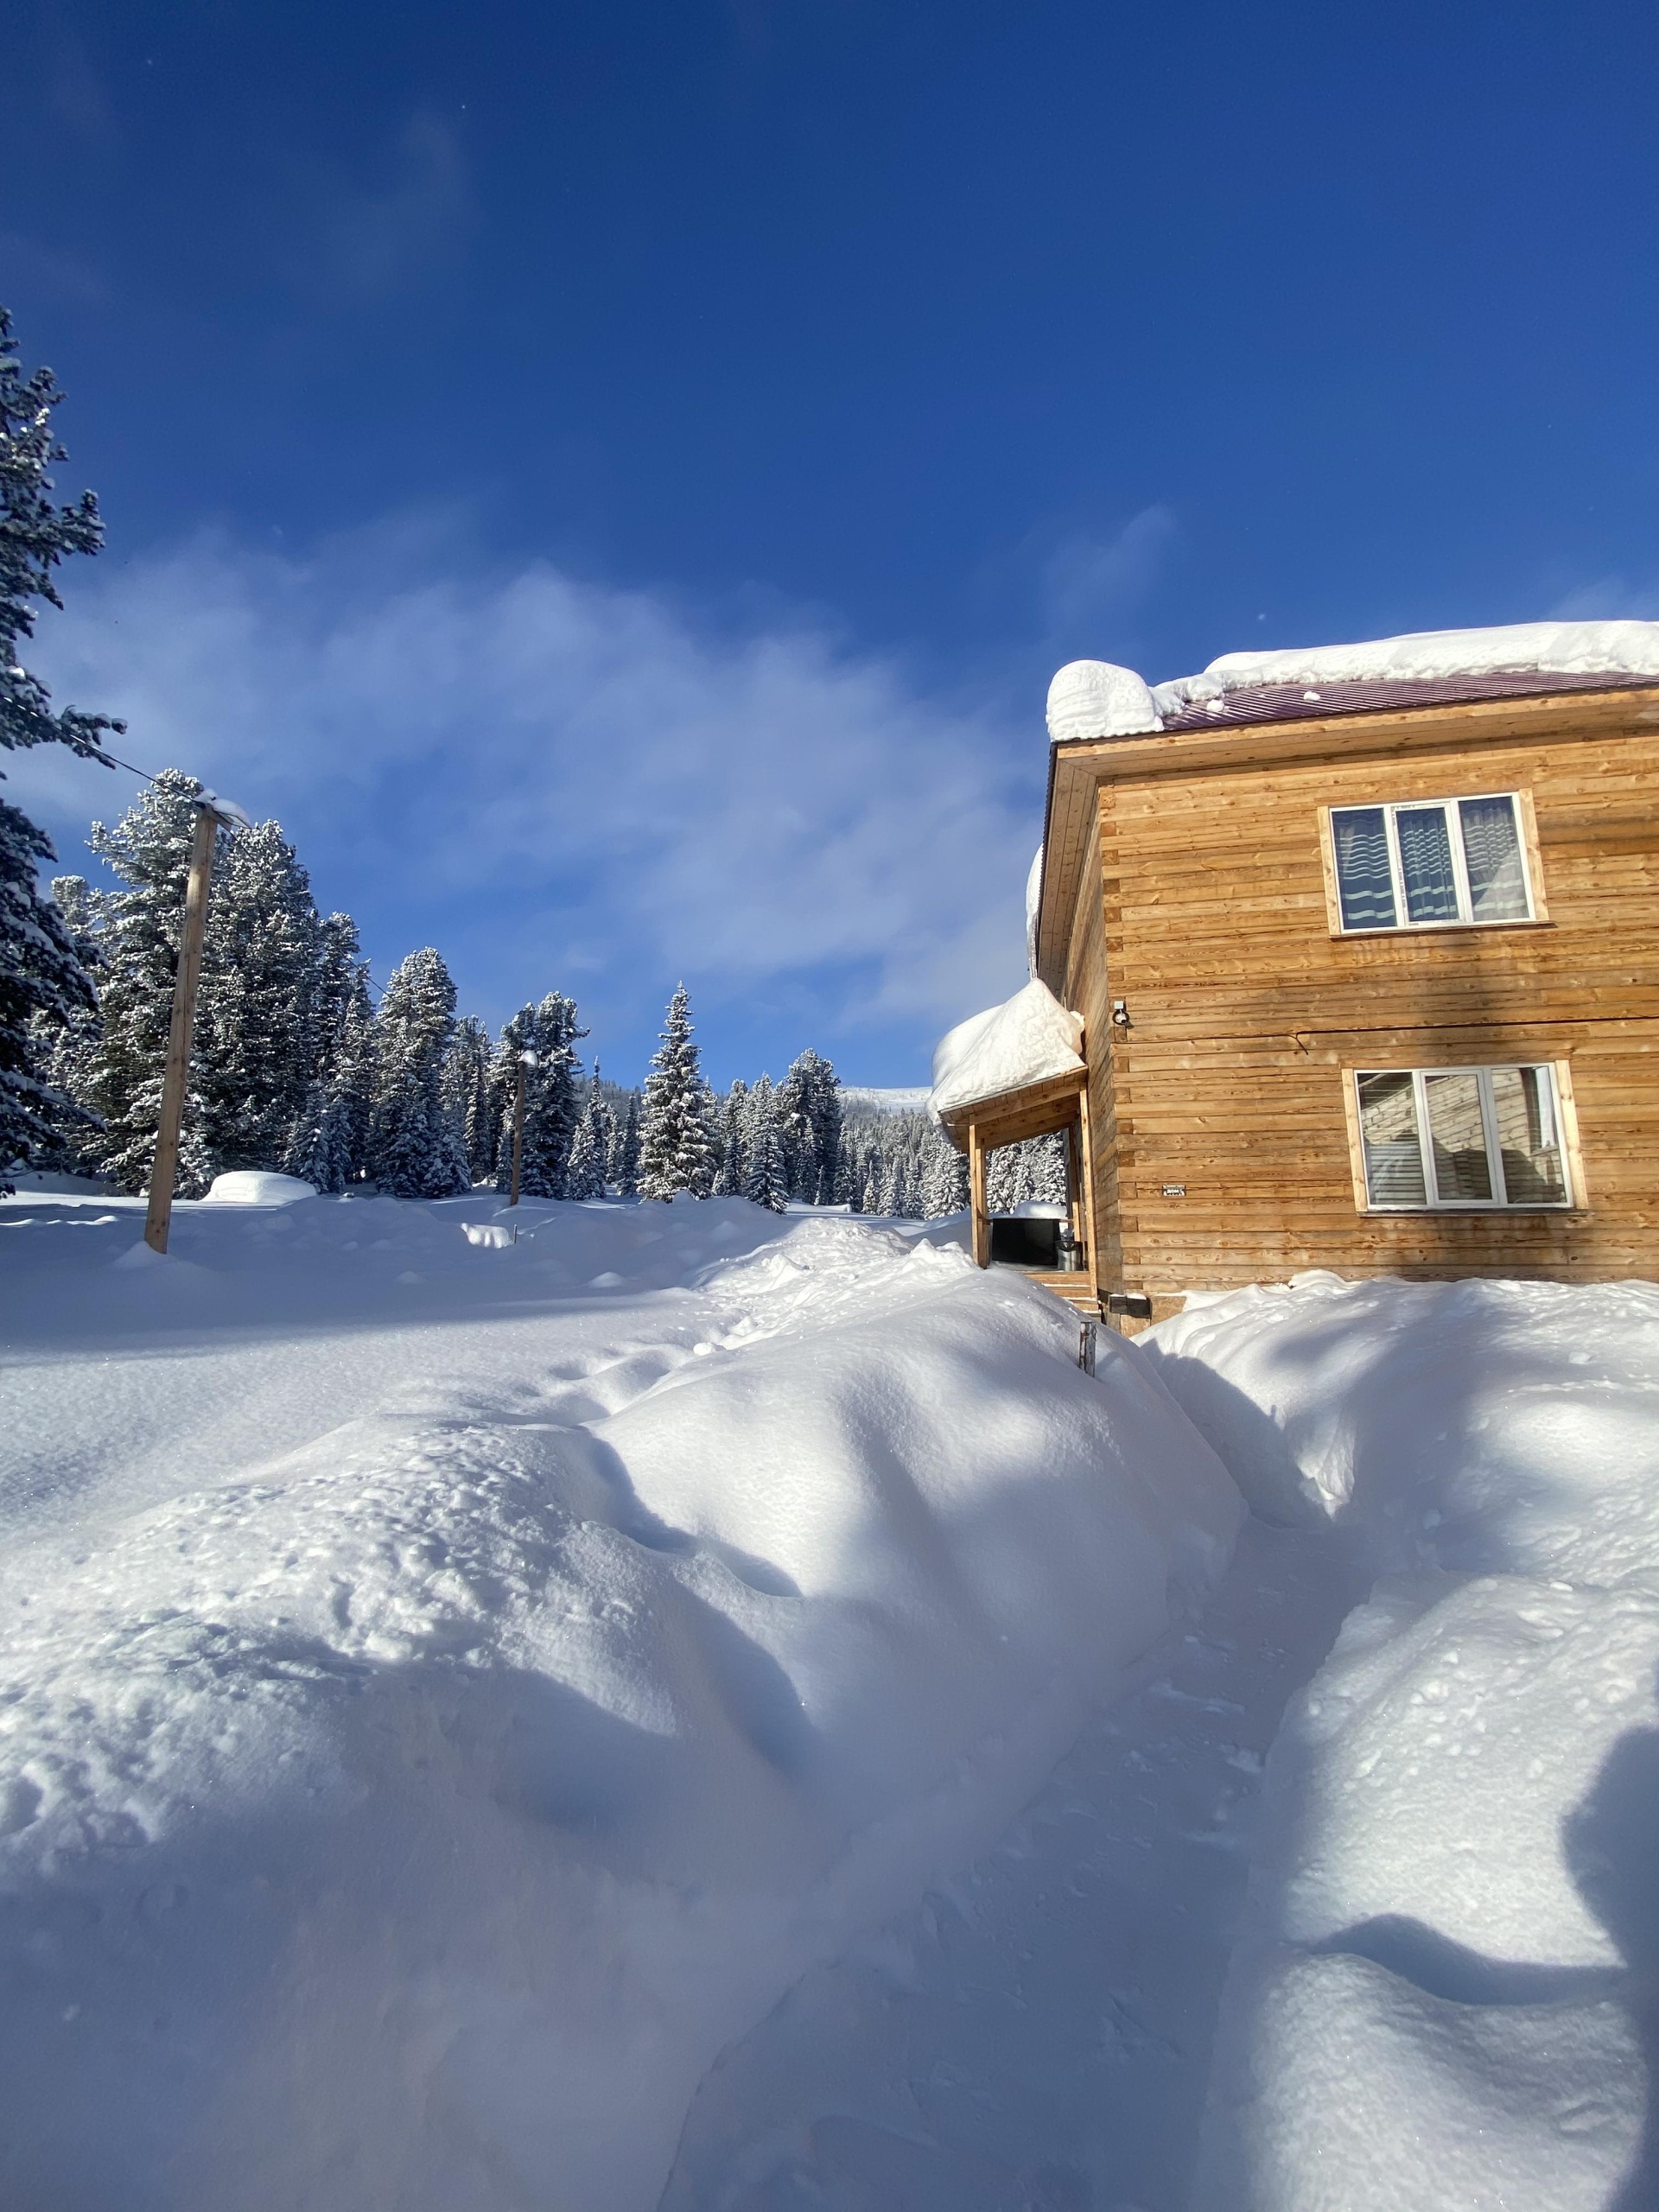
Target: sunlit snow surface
x: 1446, y: 1990
x: 460, y: 1668
x: 613, y: 1706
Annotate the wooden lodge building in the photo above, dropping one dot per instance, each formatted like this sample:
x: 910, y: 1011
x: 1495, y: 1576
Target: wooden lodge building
x: 1359, y: 951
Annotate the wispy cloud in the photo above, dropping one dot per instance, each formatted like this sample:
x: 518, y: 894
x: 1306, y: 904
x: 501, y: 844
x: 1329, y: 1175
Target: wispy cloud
x: 552, y: 777
x: 400, y: 219
x: 1090, y: 583
x: 1608, y: 598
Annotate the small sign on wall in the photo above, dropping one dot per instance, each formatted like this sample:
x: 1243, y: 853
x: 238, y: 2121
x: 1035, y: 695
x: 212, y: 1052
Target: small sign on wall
x: 1174, y: 1190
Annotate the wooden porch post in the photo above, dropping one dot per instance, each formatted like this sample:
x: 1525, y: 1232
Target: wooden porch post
x: 164, y: 1168
x: 1090, y: 1240
x: 976, y: 1197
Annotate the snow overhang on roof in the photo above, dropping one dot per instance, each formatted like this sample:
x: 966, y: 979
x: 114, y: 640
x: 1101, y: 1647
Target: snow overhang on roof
x: 1093, y: 698
x: 1430, y: 665
x: 1030, y: 1038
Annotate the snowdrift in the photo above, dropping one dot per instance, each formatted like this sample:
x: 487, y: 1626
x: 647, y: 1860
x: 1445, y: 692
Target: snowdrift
x: 1444, y: 1994
x: 505, y: 1667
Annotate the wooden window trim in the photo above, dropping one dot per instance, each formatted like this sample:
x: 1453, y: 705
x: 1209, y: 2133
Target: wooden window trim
x: 1534, y: 861
x: 1567, y: 1123
x: 1527, y: 828
x: 1571, y: 1151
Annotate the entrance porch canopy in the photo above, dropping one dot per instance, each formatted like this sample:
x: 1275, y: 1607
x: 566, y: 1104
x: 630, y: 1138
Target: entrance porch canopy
x: 1017, y: 1070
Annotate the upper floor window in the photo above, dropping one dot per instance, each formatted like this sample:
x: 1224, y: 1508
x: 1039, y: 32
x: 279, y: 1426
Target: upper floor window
x: 1430, y: 863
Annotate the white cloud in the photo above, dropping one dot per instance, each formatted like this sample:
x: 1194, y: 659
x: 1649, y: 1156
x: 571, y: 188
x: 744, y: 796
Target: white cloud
x: 572, y: 779
x: 1089, y: 584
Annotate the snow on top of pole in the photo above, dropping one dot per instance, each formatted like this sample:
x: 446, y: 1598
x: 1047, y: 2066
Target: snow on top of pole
x: 1616, y: 649
x: 1027, y: 1040
x: 225, y: 809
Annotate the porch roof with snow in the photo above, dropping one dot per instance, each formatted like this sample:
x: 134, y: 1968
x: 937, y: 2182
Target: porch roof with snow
x: 1013, y: 1071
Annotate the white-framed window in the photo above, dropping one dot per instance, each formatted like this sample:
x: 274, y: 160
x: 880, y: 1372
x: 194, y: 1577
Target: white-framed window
x: 1434, y: 863
x: 1461, y: 1138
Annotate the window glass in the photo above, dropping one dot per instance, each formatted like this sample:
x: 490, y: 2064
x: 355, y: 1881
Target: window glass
x: 1527, y: 1140
x: 1458, y: 1133
x: 1497, y: 883
x: 1387, y: 1125
x: 1362, y: 877
x: 1425, y: 863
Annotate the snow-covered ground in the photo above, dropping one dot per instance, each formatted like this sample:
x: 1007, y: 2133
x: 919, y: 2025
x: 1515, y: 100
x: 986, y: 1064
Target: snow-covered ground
x: 699, y: 1707
x: 452, y: 1685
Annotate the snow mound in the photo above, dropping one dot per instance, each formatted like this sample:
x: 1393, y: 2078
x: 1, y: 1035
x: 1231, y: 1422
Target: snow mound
x: 411, y: 1816
x: 1614, y: 649
x: 1027, y: 1039
x: 1094, y: 698
x: 248, y: 1186
x: 1444, y: 1993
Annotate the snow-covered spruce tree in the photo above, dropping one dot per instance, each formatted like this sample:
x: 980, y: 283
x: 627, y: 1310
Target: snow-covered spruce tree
x: 590, y: 1147
x: 45, y: 997
x: 677, y: 1134
x: 256, y: 1047
x: 623, y: 1170
x: 765, y: 1181
x: 547, y: 1032
x: 944, y: 1186
x: 340, y: 1096
x: 809, y: 1116
x: 42, y: 977
x: 414, y: 1152
x: 734, y: 1121
x: 469, y: 1097
x: 319, y: 1150
x: 64, y: 1051
x: 148, y: 851
x: 844, y: 1187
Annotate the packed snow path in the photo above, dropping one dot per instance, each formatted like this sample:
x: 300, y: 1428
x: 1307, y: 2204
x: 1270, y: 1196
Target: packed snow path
x: 1036, y: 2036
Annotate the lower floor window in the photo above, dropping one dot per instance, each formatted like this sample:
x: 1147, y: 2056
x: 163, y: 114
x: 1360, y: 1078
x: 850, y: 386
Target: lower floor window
x: 1462, y: 1137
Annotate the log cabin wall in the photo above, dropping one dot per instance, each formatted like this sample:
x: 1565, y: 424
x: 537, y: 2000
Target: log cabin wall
x: 1206, y: 908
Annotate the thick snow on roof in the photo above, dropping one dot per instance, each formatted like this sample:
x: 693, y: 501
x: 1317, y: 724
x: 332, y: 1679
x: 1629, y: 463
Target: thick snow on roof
x: 1094, y: 698
x: 1027, y: 1039
x: 1616, y: 649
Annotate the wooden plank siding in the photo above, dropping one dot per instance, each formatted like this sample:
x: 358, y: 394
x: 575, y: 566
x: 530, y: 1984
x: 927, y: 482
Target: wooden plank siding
x: 1204, y: 907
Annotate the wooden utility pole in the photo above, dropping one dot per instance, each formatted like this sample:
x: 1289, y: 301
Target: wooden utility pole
x: 518, y: 1132
x: 164, y: 1172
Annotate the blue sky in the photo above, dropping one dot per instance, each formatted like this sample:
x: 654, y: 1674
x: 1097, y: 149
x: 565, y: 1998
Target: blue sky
x: 614, y: 481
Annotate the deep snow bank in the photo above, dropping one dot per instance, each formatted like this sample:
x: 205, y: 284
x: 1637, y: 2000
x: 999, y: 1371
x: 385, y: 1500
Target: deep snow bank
x: 1447, y: 1994
x: 409, y: 1818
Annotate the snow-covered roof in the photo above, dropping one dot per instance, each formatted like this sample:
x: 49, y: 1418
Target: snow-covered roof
x: 1028, y: 1038
x: 1093, y: 699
